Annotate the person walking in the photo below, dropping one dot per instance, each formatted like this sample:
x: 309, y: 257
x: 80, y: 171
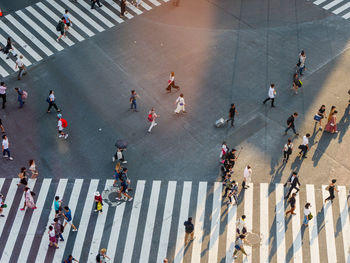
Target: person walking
x: 290, y: 123
x: 189, y: 230
x: 32, y: 168
x: 331, y: 188
x: 224, y: 150
x: 21, y: 67
x: 233, y: 193
x: 247, y: 177
x: 296, y: 83
x: 304, y: 147
x: 2, y: 204
x: 123, y: 8
x: 124, y: 186
x: 57, y: 204
x: 180, y: 102
x: 51, y: 100
x: 6, y: 148
x: 287, y: 150
x: 301, y: 62
x: 241, y: 227
x: 21, y: 96
x: 3, y: 88
x: 231, y: 114
x: 70, y: 259
x: 28, y: 199
x: 332, y: 123
x: 132, y: 100
x: 68, y: 23
x: 94, y: 2
x: 23, y: 179
x: 52, y: 237
x: 61, y: 28
x: 239, y: 246
x: 9, y: 48
x: 101, y: 257
x: 307, y: 214
x: 119, y: 155
x: 271, y: 95
x: 292, y: 202
x: 68, y: 218
x: 228, y: 184
x: 293, y: 181
x: 171, y: 83
x: 152, y: 116
x: 321, y: 114
x: 58, y: 229
x: 98, y: 202
x: 61, y: 124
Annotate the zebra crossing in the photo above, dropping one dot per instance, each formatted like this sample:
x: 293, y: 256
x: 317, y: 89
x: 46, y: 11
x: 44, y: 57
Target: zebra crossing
x: 337, y: 7
x: 150, y: 228
x: 34, y: 34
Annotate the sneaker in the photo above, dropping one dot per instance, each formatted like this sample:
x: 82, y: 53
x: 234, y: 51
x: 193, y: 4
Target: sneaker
x: 95, y: 210
x: 113, y: 159
x: 117, y: 198
x: 124, y: 161
x: 34, y: 207
x: 2, y: 215
x: 66, y: 136
x: 234, y: 257
x: 10, y: 158
x: 22, y: 209
x: 75, y: 230
x: 130, y: 199
x: 60, y: 136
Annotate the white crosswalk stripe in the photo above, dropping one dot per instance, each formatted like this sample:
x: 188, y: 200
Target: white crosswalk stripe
x: 335, y: 6
x: 117, y: 7
x: 95, y: 13
x: 130, y: 235
x: 341, y: 8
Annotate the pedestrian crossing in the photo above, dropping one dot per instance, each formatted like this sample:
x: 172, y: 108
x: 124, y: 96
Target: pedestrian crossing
x: 33, y: 29
x: 337, y: 7
x: 150, y: 228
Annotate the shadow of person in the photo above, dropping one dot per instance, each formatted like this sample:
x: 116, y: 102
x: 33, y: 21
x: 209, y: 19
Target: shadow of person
x: 298, y: 161
x: 343, y: 124
x: 323, y: 143
x: 276, y: 178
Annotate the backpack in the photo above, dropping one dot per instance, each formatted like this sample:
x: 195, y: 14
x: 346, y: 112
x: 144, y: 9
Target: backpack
x: 24, y: 95
x: 98, y: 258
x: 189, y: 227
x: 64, y: 123
x: 290, y: 120
x: 150, y: 117
x: 58, y: 27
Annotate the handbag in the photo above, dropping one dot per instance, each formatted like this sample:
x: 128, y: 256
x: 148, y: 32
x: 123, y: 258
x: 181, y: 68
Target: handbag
x: 317, y: 117
x: 99, y: 206
x: 309, y: 216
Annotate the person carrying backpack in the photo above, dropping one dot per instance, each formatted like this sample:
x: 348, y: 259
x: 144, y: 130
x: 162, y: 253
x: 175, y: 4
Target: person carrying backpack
x: 62, y: 124
x: 61, y: 28
x: 287, y: 150
x: 22, y: 96
x: 189, y: 230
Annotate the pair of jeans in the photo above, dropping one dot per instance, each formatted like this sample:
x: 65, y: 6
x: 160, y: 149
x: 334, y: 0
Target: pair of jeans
x: 291, y: 127
x: 303, y: 150
x: 301, y: 69
x: 133, y: 105
x: 286, y: 155
x: 272, y: 101
x: 6, y: 152
x: 306, y: 220
x: 59, y: 235
x: 20, y: 100
x: 21, y: 72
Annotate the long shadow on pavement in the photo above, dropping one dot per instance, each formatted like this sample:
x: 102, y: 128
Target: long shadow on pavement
x: 343, y: 124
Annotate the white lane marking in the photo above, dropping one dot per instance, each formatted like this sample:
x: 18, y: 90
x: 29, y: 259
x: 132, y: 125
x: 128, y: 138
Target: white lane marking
x: 84, y: 16
x: 117, y: 7
x: 331, y: 4
x: 264, y: 223
x: 199, y: 222
x: 20, y: 41
x: 85, y: 218
x: 296, y: 231
x: 328, y: 221
x: 313, y: 232
x: 133, y: 8
x: 100, y: 224
x: 9, y: 201
x: 2, y: 180
x: 248, y: 211
x: 149, y: 226
x: 318, y: 2
x: 3, y: 56
x: 38, y: 29
x: 34, y: 221
x: 145, y: 6
x: 346, y: 16
x: 29, y: 35
x: 341, y: 9
x: 73, y: 202
x: 155, y: 2
x: 133, y: 222
x: 74, y: 20
x: 344, y: 217
x: 167, y: 217
x: 53, y: 27
x: 16, y: 227
x: 280, y: 225
x: 231, y: 232
x: 111, y: 14
x: 183, y: 216
x: 3, y: 72
x: 43, y: 243
x: 96, y: 13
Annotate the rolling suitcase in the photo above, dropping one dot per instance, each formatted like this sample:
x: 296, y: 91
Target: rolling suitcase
x: 220, y: 122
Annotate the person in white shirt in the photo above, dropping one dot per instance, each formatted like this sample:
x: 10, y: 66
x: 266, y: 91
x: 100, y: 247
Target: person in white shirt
x: 180, y: 101
x: 247, y: 176
x: 3, y: 93
x: 304, y: 147
x: 301, y: 62
x: 171, y: 83
x: 51, y: 100
x: 61, y: 133
x: 287, y: 150
x: 152, y: 115
x: 22, y: 68
x: 240, y: 225
x: 5, y: 148
x: 271, y: 95
x: 307, y: 214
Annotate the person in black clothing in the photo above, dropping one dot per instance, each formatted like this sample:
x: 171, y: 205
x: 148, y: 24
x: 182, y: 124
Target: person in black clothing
x: 292, y: 204
x: 331, y: 188
x: 3, y: 88
x: 228, y: 184
x: 231, y: 157
x: 232, y: 112
x: 290, y: 123
x: 189, y: 230
x: 294, y: 181
x: 93, y: 2
x: 322, y: 113
x: 122, y: 8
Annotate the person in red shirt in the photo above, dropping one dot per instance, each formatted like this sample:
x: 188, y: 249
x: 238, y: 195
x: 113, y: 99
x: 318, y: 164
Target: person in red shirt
x: 98, y: 199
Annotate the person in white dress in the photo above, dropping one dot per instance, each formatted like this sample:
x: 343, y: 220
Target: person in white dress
x: 247, y: 176
x: 180, y: 101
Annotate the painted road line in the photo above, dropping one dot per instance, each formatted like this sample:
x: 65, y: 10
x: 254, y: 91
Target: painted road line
x: 96, y: 14
x: 280, y: 225
x: 199, y: 222
x: 264, y: 223
x: 344, y: 217
x: 155, y: 2
x: 133, y: 222
x: 85, y: 218
x: 296, y: 232
x: 149, y: 226
x: 183, y: 216
x: 111, y: 14
x: 331, y: 4
x: 20, y: 41
x: 73, y: 202
x: 313, y: 229
x: 318, y: 2
x: 3, y: 72
x: 231, y: 232
x: 248, y: 211
x: 346, y: 16
x: 53, y: 28
x: 133, y: 8
x: 29, y: 35
x: 166, y: 222
x: 145, y: 6
x: 34, y: 221
x: 9, y: 201
x: 38, y: 29
x: 341, y: 9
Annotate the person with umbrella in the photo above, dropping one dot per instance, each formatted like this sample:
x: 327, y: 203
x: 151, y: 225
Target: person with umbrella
x: 121, y: 146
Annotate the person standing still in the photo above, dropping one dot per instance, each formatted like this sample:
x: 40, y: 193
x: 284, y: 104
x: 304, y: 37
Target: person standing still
x: 287, y: 150
x: 5, y: 148
x: 331, y: 188
x: 152, y: 116
x: 292, y: 202
x: 304, y: 147
x: 21, y: 67
x: 132, y: 100
x: 301, y: 62
x: 51, y: 100
x: 231, y: 114
x: 290, y: 123
x: 189, y: 230
x: 3, y: 93
x: 180, y: 102
x: 271, y: 95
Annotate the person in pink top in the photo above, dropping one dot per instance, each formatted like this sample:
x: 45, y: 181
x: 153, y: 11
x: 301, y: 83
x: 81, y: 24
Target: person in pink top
x: 332, y: 123
x: 28, y: 199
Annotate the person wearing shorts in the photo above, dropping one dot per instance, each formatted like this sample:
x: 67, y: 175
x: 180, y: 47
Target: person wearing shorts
x: 123, y: 187
x: 67, y: 21
x: 239, y: 246
x: 68, y: 217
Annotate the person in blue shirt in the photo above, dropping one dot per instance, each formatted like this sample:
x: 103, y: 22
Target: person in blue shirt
x: 70, y: 259
x: 68, y: 217
x: 56, y: 204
